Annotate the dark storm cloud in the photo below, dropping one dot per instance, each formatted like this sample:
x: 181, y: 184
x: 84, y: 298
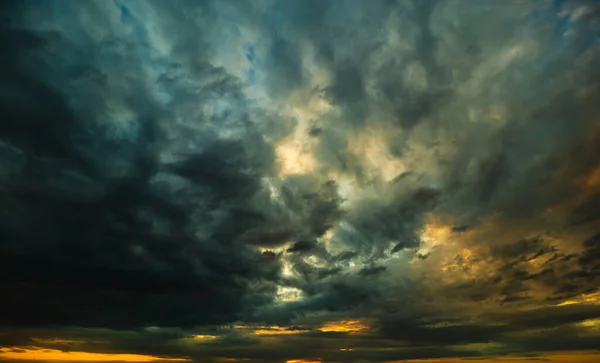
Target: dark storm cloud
x: 286, y: 66
x: 372, y: 270
x: 141, y: 184
x: 399, y: 247
x: 302, y: 246
x: 587, y: 211
x: 422, y: 335
x: 323, y: 345
x: 459, y: 229
x: 378, y: 222
x: 317, y: 205
x: 589, y: 260
x: 505, y: 177
x: 113, y: 214
x: 516, y: 330
x: 521, y: 249
x: 307, y: 210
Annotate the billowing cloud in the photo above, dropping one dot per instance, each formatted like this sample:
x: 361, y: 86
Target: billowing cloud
x: 299, y: 180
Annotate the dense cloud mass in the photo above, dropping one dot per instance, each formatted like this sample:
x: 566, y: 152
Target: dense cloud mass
x: 299, y: 181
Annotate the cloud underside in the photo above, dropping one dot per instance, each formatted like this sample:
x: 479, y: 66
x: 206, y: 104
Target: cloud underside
x: 299, y: 180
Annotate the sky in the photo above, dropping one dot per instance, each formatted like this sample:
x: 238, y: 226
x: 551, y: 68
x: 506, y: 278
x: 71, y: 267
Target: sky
x: 300, y: 181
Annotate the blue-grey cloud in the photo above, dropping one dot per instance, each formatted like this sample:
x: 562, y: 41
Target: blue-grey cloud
x: 182, y: 168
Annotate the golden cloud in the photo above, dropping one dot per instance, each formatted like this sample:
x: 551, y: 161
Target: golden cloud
x: 345, y: 326
x: 589, y: 299
x: 40, y: 354
x: 270, y: 330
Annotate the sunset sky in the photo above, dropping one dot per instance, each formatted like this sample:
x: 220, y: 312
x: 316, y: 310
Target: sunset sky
x: 300, y: 181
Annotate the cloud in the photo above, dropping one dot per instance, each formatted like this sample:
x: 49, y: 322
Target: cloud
x: 136, y: 200
x: 177, y: 169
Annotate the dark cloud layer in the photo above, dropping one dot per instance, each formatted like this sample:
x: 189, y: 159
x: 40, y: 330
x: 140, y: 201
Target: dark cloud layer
x: 169, y: 233
x: 279, y: 180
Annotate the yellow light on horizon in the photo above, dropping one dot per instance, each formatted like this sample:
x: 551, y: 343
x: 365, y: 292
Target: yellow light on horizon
x: 40, y: 354
x: 344, y: 326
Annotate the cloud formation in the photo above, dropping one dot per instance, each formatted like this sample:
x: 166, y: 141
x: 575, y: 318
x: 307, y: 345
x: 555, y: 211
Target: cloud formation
x: 274, y: 180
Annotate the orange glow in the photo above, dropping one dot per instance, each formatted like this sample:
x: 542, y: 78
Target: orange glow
x: 344, y: 326
x: 303, y: 361
x: 436, y: 233
x: 39, y: 354
x: 592, y: 180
